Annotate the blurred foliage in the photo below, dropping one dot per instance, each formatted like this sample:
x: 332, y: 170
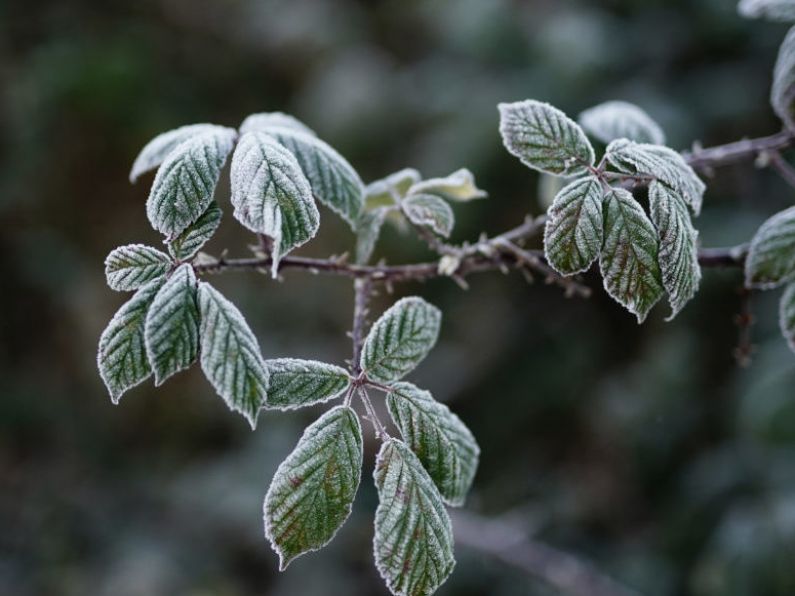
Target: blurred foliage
x: 644, y: 449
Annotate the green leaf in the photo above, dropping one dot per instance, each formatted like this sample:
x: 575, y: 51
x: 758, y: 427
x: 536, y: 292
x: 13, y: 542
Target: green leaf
x: 271, y: 195
x: 773, y: 10
x: 678, y: 256
x: 130, y: 267
x: 429, y: 211
x: 172, y: 325
x: 187, y: 244
x: 231, y: 358
x: 122, y: 354
x: 298, y: 383
x: 313, y: 490
x: 544, y: 138
x: 400, y: 339
x: 787, y: 315
x: 771, y: 256
x: 782, y: 93
x: 661, y: 163
x: 383, y: 192
x: 368, y: 229
x: 413, y: 541
x: 573, y: 232
x: 185, y: 183
x: 613, y: 120
x: 334, y: 181
x: 156, y: 150
x: 458, y: 186
x: 443, y: 443
x: 266, y: 120
x: 629, y: 256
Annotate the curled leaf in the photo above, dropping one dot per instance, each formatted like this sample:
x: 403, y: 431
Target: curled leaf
x: 429, y: 211
x: 458, y: 186
x: 771, y: 256
x: 613, y: 120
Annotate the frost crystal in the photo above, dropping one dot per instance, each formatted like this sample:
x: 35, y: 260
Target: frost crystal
x: 156, y: 150
x: 185, y: 183
x: 544, y: 138
x: 312, y: 492
x: 122, y: 357
x: 266, y: 120
x: 400, y: 339
x: 130, y: 267
x: 573, y: 232
x: 172, y: 325
x: 230, y: 355
x: 430, y: 211
x: 458, y: 186
x: 771, y: 256
x: 188, y: 243
x: 271, y: 194
x: 413, y: 540
x: 782, y: 93
x: 629, y: 256
x: 298, y: 383
x: 620, y: 119
x: 443, y: 443
x: 787, y: 315
x: 775, y: 10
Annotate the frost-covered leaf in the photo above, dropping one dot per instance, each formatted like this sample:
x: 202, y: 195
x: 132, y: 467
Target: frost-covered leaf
x: 544, y: 138
x: 368, y: 229
x: 313, y: 490
x: 271, y: 194
x: 172, y: 325
x: 628, y: 259
x: 400, y: 339
x: 185, y: 183
x: 678, y: 250
x: 458, y: 186
x: 430, y: 211
x: 771, y: 256
x: 156, y: 150
x: 231, y: 358
x: 786, y: 318
x: 265, y: 120
x: 413, y: 541
x: 613, y: 120
x: 573, y: 232
x: 383, y: 192
x: 122, y: 354
x: 131, y: 266
x: 334, y: 181
x: 196, y: 235
x: 298, y: 383
x: 782, y: 93
x: 662, y: 163
x: 443, y: 443
x: 774, y: 10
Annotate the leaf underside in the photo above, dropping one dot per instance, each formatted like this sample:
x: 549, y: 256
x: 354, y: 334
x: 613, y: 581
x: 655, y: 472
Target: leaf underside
x: 787, y: 315
x: 430, y: 211
x: 771, y: 256
x: 297, y: 383
x: 368, y: 229
x: 158, y: 149
x: 613, y: 120
x: 782, y: 93
x: 458, y: 186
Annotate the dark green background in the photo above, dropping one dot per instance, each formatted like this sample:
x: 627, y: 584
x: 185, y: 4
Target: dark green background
x: 644, y: 449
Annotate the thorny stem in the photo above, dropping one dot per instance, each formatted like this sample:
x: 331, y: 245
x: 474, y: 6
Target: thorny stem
x: 362, y: 287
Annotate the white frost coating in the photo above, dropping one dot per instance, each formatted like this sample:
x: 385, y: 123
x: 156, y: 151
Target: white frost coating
x: 678, y: 255
x: 628, y: 259
x: 786, y: 315
x: 413, y: 542
x: 458, y: 186
x: 430, y: 211
x: 121, y: 357
x: 782, y: 93
x: 613, y: 120
x: 771, y: 256
x: 230, y: 354
x: 172, y: 325
x: 266, y: 120
x: 156, y: 150
x: 297, y: 383
x: 384, y: 191
x: 573, y: 232
x: 271, y: 194
x: 774, y: 10
x: 400, y: 339
x: 544, y: 138
x: 333, y: 180
x: 196, y: 235
x: 312, y: 492
x: 662, y: 163
x: 442, y: 442
x: 368, y: 229
x: 131, y: 266
x: 185, y: 183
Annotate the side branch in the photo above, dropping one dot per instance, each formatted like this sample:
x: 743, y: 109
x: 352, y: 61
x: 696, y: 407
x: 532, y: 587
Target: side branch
x: 723, y: 155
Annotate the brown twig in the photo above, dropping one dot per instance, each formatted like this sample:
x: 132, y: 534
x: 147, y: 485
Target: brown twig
x: 730, y: 153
